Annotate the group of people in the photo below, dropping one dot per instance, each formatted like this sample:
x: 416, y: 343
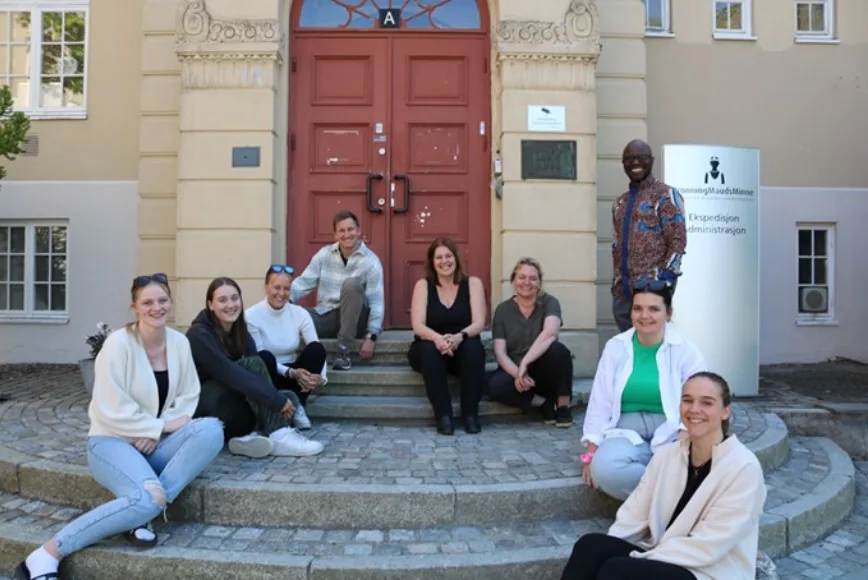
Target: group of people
x: 656, y: 430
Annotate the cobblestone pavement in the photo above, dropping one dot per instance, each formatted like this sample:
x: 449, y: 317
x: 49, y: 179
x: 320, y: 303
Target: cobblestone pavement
x: 844, y: 553
x: 52, y: 424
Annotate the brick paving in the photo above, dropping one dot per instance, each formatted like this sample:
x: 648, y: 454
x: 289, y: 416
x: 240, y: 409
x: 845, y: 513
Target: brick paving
x: 48, y: 419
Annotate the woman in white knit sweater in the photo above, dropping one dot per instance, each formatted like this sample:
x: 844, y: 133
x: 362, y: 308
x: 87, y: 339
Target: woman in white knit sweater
x: 143, y: 445
x: 695, y: 514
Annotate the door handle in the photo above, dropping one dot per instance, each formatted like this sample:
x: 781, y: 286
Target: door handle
x: 369, y: 199
x: 406, y: 180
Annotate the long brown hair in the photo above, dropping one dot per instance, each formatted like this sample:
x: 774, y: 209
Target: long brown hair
x: 460, y: 272
x: 234, y: 341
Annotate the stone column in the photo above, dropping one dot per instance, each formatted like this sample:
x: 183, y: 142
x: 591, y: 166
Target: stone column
x: 552, y: 63
x: 228, y: 166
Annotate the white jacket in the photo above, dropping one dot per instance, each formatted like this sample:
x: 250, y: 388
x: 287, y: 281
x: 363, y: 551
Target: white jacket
x: 717, y: 533
x: 677, y: 360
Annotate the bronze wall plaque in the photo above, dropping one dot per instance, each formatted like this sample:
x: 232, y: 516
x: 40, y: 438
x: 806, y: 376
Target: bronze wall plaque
x: 548, y: 160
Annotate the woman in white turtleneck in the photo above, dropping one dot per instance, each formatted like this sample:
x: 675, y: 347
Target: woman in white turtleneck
x: 279, y: 328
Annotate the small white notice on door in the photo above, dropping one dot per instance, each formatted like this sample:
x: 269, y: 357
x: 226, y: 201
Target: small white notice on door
x: 546, y: 118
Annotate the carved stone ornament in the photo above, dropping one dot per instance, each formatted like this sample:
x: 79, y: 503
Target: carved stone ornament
x: 580, y: 26
x: 196, y: 25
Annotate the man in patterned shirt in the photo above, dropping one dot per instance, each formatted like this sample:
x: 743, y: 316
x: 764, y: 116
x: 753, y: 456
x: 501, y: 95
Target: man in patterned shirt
x: 348, y: 278
x: 649, y: 234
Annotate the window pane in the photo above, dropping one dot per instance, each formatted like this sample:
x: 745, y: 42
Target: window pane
x: 51, y: 92
x: 4, y: 268
x: 73, y: 91
x: 820, y: 271
x: 52, y: 26
x: 20, y: 88
x: 16, y: 296
x: 74, y: 27
x: 41, y: 268
x: 722, y: 16
x: 804, y: 242
x: 448, y: 14
x: 654, y: 14
x: 40, y: 296
x: 20, y: 26
x: 4, y: 239
x: 805, y: 271
x: 16, y: 268
x: 818, y: 23
x: 820, y: 242
x: 19, y: 63
x: 58, y: 269
x: 4, y: 297
x: 803, y: 17
x: 735, y: 16
x: 58, y: 297
x: 42, y: 241
x: 58, y: 240
x: 17, y: 240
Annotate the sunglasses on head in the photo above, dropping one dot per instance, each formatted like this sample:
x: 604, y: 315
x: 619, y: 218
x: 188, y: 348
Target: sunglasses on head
x: 140, y: 281
x: 650, y: 285
x: 280, y: 268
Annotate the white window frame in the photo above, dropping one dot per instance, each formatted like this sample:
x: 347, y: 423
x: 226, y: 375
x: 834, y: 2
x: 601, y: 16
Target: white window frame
x: 828, y: 32
x: 29, y: 314
x: 37, y: 7
x: 818, y: 318
x: 666, y: 30
x: 746, y: 32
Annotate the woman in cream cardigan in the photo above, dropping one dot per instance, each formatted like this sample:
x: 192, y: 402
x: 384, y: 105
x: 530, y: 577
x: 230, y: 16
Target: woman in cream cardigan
x: 695, y: 514
x: 633, y: 408
x: 143, y: 445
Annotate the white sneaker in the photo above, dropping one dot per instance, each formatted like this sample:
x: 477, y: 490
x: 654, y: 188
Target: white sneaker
x: 253, y: 445
x: 300, y: 420
x: 288, y: 442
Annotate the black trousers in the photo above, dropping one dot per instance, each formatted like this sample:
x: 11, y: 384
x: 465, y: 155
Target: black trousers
x: 552, y: 372
x: 312, y: 358
x: 468, y: 363
x: 604, y: 557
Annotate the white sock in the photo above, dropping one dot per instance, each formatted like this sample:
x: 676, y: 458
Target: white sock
x: 40, y: 562
x: 144, y: 534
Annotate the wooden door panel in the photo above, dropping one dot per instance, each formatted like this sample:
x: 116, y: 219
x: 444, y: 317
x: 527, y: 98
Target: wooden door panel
x: 339, y: 94
x: 439, y: 105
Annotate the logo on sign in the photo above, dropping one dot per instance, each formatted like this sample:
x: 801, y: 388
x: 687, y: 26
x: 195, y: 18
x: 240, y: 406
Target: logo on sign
x: 390, y: 18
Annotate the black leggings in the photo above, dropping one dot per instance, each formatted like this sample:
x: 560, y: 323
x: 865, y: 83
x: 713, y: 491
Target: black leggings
x: 311, y: 358
x: 552, y: 372
x: 604, y: 557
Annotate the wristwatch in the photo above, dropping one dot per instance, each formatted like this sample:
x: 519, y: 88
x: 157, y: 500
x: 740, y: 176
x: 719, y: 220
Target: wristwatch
x: 464, y: 335
x: 373, y: 337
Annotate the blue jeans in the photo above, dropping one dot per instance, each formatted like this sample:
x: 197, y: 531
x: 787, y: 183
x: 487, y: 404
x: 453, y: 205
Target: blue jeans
x: 132, y: 477
x: 618, y: 465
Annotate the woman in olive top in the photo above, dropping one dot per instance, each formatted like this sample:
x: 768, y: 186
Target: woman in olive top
x: 633, y: 408
x: 534, y: 369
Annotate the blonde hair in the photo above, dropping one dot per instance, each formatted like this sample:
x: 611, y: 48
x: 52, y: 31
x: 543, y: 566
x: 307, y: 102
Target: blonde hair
x: 139, y: 284
x: 526, y: 261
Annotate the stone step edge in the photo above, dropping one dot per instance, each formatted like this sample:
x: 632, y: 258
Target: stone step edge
x: 345, y: 505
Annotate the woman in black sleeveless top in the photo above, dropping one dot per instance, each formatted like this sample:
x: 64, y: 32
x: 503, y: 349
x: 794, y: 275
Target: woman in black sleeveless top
x: 448, y: 313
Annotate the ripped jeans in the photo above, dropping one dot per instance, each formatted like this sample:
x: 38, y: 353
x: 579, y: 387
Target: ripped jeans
x: 143, y: 484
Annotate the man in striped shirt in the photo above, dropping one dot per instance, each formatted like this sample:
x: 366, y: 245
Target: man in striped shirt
x: 348, y: 279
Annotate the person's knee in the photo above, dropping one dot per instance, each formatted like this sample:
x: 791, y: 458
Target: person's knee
x: 560, y: 353
x: 316, y: 349
x: 617, y: 568
x: 352, y: 286
x: 157, y: 493
x: 427, y: 351
x: 257, y: 364
x: 266, y: 357
x: 499, y: 385
x: 208, y: 434
x: 612, y: 476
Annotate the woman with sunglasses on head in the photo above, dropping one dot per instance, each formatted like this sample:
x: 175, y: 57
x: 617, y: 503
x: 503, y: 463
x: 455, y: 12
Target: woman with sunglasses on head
x: 633, y: 408
x: 143, y: 445
x: 236, y: 384
x: 695, y: 514
x: 279, y: 328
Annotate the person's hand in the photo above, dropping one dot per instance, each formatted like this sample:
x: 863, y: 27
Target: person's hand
x: 145, y: 445
x: 288, y: 410
x: 443, y: 344
x: 455, y: 341
x: 367, y: 350
x: 309, y: 381
x: 586, y: 476
x: 175, y: 424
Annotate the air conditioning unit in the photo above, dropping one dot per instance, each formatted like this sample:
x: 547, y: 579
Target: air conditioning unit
x: 814, y: 299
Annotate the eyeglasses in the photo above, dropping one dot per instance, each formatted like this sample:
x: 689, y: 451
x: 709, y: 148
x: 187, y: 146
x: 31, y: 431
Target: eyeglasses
x: 278, y: 268
x: 159, y: 277
x: 654, y: 285
x: 631, y: 158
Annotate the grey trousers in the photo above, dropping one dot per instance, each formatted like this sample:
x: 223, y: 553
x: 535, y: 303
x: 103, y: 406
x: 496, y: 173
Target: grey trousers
x: 621, y: 313
x: 618, y: 465
x: 349, y: 320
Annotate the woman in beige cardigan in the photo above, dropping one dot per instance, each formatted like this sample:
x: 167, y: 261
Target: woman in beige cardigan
x: 695, y: 514
x: 142, y: 446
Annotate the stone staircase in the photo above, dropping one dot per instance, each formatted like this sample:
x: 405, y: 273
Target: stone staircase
x: 388, y: 389
x: 383, y: 501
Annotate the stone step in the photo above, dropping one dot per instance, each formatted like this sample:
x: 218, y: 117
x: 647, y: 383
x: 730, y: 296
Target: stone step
x: 808, y: 497
x: 401, y: 380
x: 377, y: 476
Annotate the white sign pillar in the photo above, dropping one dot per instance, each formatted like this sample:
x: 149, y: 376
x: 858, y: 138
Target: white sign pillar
x: 716, y: 304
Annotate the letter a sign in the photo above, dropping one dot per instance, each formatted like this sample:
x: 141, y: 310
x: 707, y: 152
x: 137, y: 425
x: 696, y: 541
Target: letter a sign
x: 390, y: 18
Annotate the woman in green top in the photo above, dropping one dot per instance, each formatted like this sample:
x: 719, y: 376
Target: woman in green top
x: 634, y: 404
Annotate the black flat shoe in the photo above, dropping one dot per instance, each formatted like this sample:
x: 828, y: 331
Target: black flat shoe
x: 134, y: 540
x: 444, y: 426
x: 22, y: 573
x: 471, y: 425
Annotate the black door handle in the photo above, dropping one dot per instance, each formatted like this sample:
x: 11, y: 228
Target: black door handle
x: 406, y: 180
x: 372, y: 177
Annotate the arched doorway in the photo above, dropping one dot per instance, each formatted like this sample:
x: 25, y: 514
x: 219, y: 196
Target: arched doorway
x: 390, y: 118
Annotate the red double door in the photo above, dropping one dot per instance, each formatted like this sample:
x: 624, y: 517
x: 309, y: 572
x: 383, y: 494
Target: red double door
x: 396, y: 129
